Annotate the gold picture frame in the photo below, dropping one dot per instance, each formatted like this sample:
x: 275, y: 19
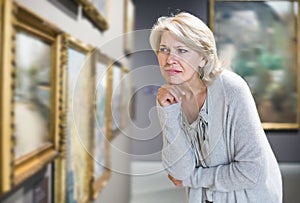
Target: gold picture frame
x: 129, y: 26
x: 31, y: 91
x: 72, y: 174
x: 100, y: 144
x: 97, y: 11
x: 4, y: 163
x: 269, y: 66
x: 116, y: 97
x: 126, y: 94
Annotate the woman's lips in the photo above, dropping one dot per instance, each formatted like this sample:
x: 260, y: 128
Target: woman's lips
x: 173, y: 72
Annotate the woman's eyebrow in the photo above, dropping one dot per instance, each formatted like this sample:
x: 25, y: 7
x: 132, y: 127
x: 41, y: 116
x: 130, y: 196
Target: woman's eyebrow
x: 181, y: 46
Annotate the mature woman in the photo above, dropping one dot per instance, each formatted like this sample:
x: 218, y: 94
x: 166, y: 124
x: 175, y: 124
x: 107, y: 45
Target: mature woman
x: 213, y: 141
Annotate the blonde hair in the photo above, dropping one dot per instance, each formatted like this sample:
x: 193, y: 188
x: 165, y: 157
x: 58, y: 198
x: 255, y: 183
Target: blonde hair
x: 195, y: 34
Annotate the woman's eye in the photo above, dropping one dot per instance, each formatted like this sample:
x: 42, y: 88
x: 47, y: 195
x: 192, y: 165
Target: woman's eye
x: 163, y: 50
x: 181, y: 51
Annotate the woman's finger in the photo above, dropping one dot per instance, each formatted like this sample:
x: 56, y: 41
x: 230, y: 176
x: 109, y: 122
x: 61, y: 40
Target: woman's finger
x: 176, y: 182
x: 175, y: 91
x: 167, y: 95
x: 164, y: 97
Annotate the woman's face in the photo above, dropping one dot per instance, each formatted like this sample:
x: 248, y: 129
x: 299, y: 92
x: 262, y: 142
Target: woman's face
x: 178, y: 63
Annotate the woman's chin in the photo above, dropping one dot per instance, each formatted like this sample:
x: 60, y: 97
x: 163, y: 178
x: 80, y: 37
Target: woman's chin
x: 175, y: 82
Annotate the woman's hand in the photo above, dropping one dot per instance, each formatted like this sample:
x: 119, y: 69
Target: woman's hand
x: 176, y: 182
x: 169, y: 94
x: 191, y: 103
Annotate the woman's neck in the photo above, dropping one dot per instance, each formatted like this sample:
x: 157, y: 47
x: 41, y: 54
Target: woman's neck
x: 192, y: 103
x: 196, y: 85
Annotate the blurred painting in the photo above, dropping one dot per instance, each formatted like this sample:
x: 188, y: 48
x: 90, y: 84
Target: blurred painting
x: 97, y: 12
x: 76, y: 156
x: 32, y: 104
x: 100, y: 149
x: 116, y: 97
x: 258, y: 39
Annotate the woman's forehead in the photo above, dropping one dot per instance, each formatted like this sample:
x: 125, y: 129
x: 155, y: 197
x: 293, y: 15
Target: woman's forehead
x: 169, y: 38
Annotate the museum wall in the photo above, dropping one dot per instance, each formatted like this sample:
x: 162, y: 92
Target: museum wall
x: 70, y: 18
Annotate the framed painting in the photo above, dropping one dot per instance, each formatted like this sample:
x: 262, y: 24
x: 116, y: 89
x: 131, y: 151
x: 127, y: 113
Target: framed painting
x: 116, y: 96
x: 129, y: 26
x: 41, y: 190
x: 30, y: 82
x: 97, y: 11
x: 126, y: 94
x: 259, y: 39
x: 72, y: 175
x: 4, y: 163
x: 100, y: 144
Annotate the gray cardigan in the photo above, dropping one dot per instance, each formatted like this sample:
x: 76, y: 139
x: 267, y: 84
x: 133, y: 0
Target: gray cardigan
x: 232, y: 160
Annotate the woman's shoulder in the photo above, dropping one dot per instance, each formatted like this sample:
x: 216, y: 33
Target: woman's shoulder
x: 232, y: 81
x: 233, y: 85
x: 231, y: 78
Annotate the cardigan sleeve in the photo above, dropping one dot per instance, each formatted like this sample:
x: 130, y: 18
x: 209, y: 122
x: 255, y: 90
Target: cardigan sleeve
x: 177, y: 155
x: 247, y: 168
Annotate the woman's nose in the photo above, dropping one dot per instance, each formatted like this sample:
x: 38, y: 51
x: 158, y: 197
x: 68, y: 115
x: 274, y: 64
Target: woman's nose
x: 172, y: 58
